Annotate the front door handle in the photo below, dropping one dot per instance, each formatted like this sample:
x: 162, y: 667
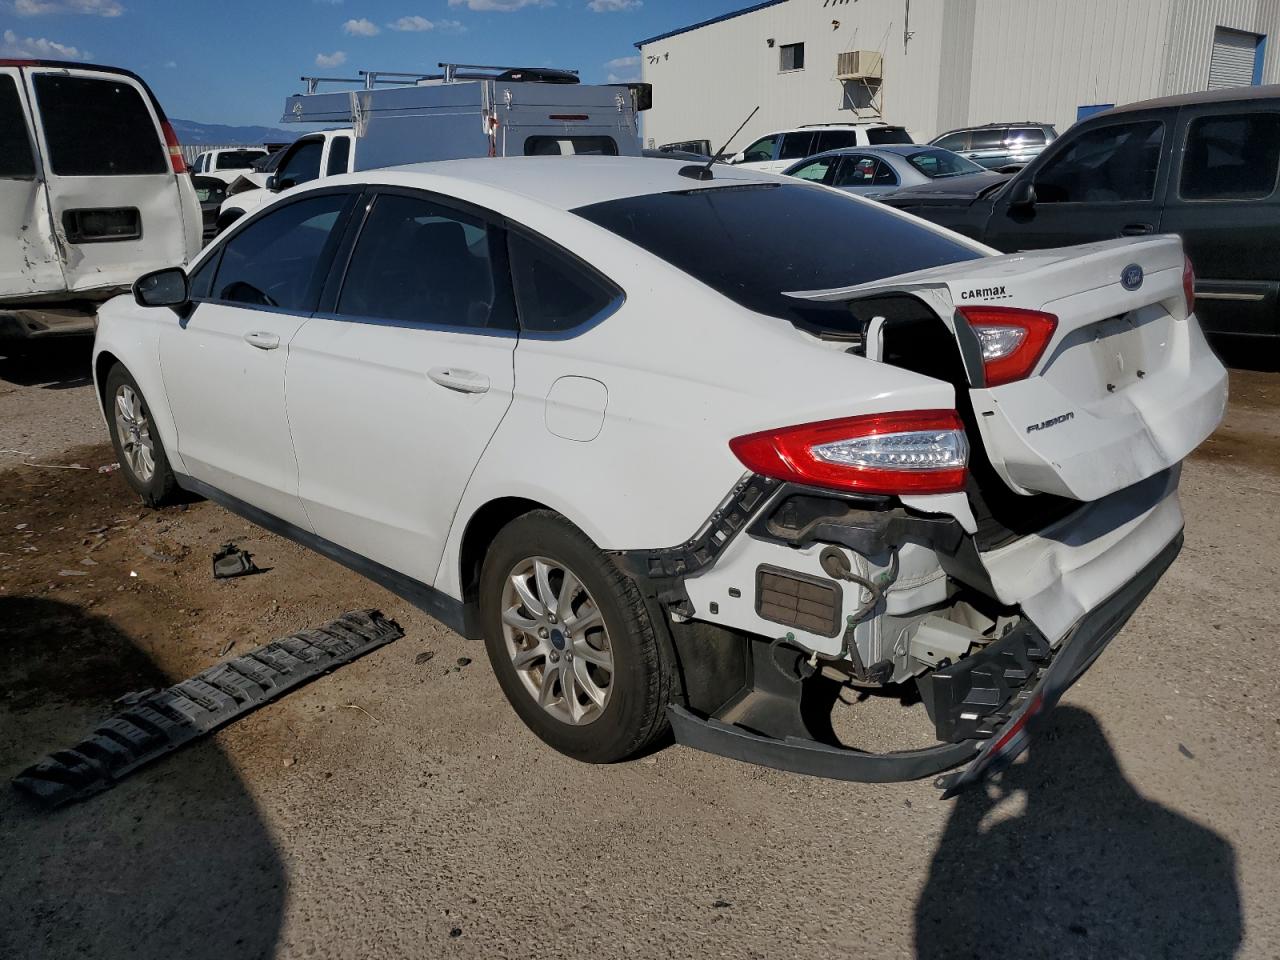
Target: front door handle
x: 464, y: 381
x: 262, y: 339
x: 1136, y: 229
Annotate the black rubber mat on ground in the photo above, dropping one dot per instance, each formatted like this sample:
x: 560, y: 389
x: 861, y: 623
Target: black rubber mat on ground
x: 157, y: 722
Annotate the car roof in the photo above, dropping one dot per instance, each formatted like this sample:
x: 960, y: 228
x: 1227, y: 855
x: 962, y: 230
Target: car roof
x: 565, y: 183
x: 1230, y: 95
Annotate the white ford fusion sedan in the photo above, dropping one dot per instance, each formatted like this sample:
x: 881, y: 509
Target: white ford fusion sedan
x: 688, y: 449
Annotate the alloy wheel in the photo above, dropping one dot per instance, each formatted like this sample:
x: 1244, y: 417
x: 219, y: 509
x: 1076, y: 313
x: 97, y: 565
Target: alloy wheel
x: 133, y: 428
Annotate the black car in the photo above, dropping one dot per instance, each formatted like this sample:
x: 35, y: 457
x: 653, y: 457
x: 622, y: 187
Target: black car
x: 210, y: 191
x: 1201, y: 165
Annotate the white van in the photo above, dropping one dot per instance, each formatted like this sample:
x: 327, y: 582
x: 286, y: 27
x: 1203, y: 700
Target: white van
x: 93, y: 193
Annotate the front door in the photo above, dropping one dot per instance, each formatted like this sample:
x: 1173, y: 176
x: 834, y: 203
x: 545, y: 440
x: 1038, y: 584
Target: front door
x: 397, y: 385
x: 29, y: 262
x: 224, y: 366
x: 1099, y: 183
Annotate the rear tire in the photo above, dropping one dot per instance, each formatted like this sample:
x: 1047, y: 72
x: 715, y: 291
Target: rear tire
x: 138, y: 447
x: 589, y: 677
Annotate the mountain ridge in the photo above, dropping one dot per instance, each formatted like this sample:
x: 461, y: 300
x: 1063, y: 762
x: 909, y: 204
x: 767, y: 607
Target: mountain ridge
x: 191, y: 132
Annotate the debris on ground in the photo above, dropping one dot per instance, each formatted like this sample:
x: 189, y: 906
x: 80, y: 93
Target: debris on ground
x: 356, y: 706
x: 231, y: 561
x: 464, y: 661
x: 423, y: 657
x: 109, y: 468
x: 157, y: 722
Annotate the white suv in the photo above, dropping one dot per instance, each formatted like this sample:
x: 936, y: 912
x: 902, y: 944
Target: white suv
x: 673, y: 461
x: 778, y: 151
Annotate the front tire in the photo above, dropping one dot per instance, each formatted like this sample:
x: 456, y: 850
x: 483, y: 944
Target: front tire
x: 571, y: 642
x: 137, y: 444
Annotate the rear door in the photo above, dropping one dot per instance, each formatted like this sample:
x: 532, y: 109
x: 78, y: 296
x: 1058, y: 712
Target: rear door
x: 117, y: 207
x: 1222, y: 200
x: 1099, y: 182
x: 29, y: 261
x: 987, y: 147
x: 795, y: 146
x: 397, y: 384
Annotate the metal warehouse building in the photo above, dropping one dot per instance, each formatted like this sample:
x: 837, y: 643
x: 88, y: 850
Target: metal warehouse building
x: 934, y: 65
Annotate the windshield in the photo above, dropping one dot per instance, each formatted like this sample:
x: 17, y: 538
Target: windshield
x: 756, y: 242
x: 936, y: 164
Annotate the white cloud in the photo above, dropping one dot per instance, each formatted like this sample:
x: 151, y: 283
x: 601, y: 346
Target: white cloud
x: 335, y: 59
x: 412, y: 25
x: 619, y: 62
x: 614, y: 6
x: 500, y: 6
x: 38, y: 48
x: 171, y: 65
x: 93, y: 8
x: 364, y: 27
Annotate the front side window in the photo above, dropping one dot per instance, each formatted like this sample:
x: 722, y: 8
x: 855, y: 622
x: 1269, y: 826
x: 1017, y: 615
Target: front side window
x: 817, y: 170
x: 339, y: 156
x: 796, y: 146
x: 953, y: 141
x: 570, y: 147
x: 302, y: 165
x: 791, y: 56
x: 273, y: 261
x: 16, y: 159
x: 556, y: 292
x: 1231, y: 157
x: 97, y: 128
x: 1111, y: 164
x: 420, y: 262
x: 936, y: 164
x: 761, y: 151
x: 209, y: 189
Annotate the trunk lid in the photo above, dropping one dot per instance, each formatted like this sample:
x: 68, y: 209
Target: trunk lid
x: 1126, y: 387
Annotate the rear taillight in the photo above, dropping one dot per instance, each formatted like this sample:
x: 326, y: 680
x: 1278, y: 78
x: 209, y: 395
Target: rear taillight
x: 922, y: 451
x: 1012, y: 340
x: 1189, y: 284
x: 175, y: 148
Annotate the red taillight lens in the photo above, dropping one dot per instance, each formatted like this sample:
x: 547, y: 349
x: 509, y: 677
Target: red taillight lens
x: 923, y: 451
x: 1012, y: 340
x: 175, y: 148
x: 1189, y: 284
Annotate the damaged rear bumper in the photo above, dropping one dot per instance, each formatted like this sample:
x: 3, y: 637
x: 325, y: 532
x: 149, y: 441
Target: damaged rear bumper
x: 984, y: 707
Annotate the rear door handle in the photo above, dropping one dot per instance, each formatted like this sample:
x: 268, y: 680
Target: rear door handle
x: 1136, y: 229
x: 463, y: 381
x: 262, y: 339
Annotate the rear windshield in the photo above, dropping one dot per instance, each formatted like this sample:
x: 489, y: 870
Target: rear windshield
x: 16, y: 160
x: 937, y: 164
x: 570, y: 147
x: 97, y: 127
x: 881, y: 135
x: 755, y: 242
x: 238, y: 159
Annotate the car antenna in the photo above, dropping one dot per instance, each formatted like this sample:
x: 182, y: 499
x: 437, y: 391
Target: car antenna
x: 697, y: 171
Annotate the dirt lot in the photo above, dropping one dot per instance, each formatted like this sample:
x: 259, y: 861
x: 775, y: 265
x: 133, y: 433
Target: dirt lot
x: 399, y: 809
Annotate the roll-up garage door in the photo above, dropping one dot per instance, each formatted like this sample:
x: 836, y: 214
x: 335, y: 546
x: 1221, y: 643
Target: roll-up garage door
x: 1231, y: 64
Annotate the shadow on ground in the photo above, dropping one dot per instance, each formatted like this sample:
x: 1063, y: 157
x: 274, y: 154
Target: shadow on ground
x: 1065, y: 859
x: 174, y: 863
x: 56, y: 364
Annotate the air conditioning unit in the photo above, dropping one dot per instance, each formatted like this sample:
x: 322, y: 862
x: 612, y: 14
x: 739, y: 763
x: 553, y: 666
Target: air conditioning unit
x: 860, y: 65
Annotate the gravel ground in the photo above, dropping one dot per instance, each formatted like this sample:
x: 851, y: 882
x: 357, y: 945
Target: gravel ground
x: 397, y: 808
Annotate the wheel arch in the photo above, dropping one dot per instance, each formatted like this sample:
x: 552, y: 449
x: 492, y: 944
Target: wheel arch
x: 483, y: 525
x: 102, y: 365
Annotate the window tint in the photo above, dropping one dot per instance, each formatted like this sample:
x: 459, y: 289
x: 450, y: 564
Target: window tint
x: 754, y: 243
x: 877, y: 136
x: 859, y: 170
x: 988, y: 138
x: 570, y: 147
x: 1231, y: 157
x: 791, y: 56
x: 272, y: 261
x: 201, y: 283
x: 339, y: 156
x: 16, y: 159
x: 301, y: 166
x: 209, y: 189
x: 237, y: 159
x: 554, y: 291
x: 420, y: 262
x: 97, y: 127
x: 1026, y: 136
x: 796, y: 146
x: 953, y: 141
x: 817, y: 170
x: 1105, y: 165
x: 835, y: 140
x: 761, y: 151
x: 936, y: 164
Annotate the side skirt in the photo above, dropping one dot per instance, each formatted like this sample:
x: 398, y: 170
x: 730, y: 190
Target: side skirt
x: 454, y: 614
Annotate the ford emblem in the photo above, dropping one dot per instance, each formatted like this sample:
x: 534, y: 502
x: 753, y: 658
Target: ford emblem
x: 1131, y: 277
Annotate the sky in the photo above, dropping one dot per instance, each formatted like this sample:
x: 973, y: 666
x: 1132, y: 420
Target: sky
x: 235, y: 61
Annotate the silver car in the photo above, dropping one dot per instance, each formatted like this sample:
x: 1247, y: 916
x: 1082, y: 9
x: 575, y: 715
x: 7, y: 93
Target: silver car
x: 879, y: 171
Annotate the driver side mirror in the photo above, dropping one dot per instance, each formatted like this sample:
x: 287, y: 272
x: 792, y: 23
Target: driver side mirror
x: 163, y: 288
x: 273, y: 183
x: 1022, y: 195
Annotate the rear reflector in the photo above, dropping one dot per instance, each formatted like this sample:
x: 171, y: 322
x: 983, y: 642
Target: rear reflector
x: 1012, y: 340
x: 921, y: 451
x: 1189, y: 284
x: 175, y: 148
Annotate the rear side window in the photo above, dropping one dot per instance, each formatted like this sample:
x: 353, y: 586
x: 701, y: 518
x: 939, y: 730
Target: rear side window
x: 570, y: 147
x: 97, y: 128
x: 859, y: 170
x: 1231, y: 157
x: 420, y: 262
x: 554, y: 291
x: 1026, y: 136
x: 881, y: 135
x: 1112, y: 164
x: 835, y: 140
x: 796, y: 146
x: 754, y: 243
x: 273, y: 261
x: 339, y: 156
x: 953, y: 141
x: 988, y: 138
x: 16, y: 160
